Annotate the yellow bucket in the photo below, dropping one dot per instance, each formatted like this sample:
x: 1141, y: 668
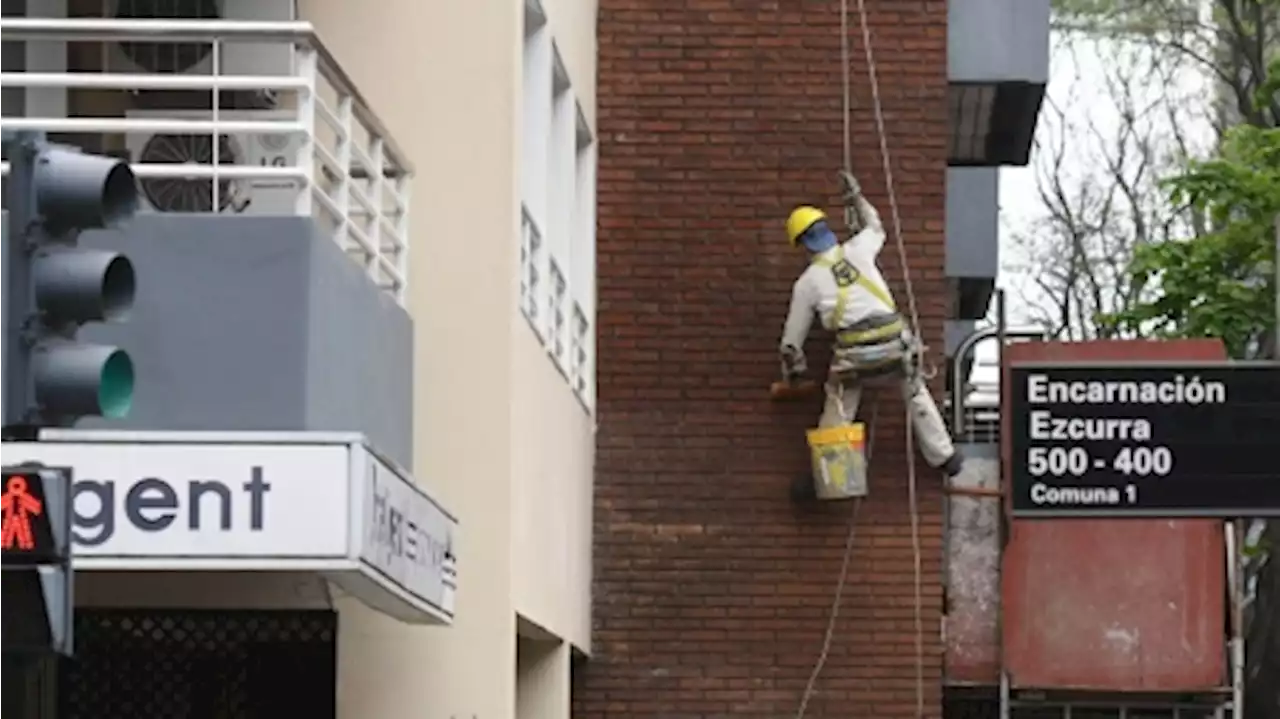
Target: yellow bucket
x: 839, y: 461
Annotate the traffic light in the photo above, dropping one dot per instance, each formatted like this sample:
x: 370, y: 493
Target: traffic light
x: 35, y: 544
x: 52, y: 287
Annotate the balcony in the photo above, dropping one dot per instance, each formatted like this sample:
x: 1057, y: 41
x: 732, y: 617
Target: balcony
x: 998, y: 66
x: 273, y: 271
x: 301, y: 136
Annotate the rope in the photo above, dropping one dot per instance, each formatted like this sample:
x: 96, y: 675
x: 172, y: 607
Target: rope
x: 884, y: 159
x: 837, y: 600
x: 835, y: 611
x: 886, y: 166
x: 913, y: 500
x: 845, y: 62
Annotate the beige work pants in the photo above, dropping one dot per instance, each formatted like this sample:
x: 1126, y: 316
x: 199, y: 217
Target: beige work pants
x: 930, y: 432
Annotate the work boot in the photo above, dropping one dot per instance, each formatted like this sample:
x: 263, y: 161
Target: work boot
x: 802, y: 490
x: 954, y: 465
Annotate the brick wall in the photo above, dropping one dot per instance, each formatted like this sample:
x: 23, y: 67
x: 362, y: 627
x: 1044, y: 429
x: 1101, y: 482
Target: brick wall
x: 711, y: 588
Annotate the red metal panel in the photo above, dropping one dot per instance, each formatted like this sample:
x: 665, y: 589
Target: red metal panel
x: 1117, y: 604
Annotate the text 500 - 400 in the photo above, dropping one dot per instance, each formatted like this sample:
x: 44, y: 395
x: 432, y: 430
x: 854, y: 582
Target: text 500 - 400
x: 1140, y: 461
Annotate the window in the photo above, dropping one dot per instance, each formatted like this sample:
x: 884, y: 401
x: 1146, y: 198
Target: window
x: 557, y: 253
x: 580, y: 370
x: 533, y: 220
x: 530, y: 271
x: 556, y: 312
x: 583, y: 269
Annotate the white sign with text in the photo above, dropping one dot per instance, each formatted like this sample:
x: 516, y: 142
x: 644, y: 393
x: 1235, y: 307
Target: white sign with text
x: 299, y: 501
x: 408, y: 538
x: 202, y: 500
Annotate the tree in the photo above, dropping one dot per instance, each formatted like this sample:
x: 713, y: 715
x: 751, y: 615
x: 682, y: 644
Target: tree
x: 1214, y: 274
x: 1096, y: 175
x: 1233, y: 41
x: 1173, y: 74
x: 1223, y: 284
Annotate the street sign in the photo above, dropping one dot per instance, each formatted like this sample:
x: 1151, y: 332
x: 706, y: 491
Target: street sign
x: 1149, y: 440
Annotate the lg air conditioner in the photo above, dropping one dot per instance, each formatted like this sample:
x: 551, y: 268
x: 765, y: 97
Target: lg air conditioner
x: 256, y: 196
x: 273, y: 57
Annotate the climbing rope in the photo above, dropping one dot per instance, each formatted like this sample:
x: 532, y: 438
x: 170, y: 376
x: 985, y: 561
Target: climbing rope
x: 838, y: 599
x: 912, y: 496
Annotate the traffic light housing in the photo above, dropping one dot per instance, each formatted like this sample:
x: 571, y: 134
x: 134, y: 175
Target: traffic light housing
x: 52, y: 286
x: 35, y: 544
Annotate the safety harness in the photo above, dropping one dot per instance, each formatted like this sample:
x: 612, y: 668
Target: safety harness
x: 917, y: 350
x: 869, y: 348
x: 847, y: 277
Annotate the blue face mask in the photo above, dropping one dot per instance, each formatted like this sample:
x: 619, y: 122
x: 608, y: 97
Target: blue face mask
x: 818, y: 238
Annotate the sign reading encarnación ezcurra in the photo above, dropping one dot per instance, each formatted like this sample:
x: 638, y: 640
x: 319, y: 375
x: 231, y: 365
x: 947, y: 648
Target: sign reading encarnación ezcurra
x: 1145, y: 440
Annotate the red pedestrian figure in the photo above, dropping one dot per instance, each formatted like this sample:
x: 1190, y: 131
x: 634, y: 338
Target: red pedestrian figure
x: 17, y: 507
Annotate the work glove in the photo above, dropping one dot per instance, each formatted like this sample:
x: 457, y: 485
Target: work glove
x: 849, y: 183
x: 794, y: 364
x: 853, y: 218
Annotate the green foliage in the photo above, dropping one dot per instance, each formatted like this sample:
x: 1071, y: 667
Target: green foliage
x: 1125, y: 17
x: 1221, y: 284
x: 1261, y: 548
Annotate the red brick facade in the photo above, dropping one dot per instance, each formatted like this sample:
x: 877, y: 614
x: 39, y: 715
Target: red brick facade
x: 711, y: 589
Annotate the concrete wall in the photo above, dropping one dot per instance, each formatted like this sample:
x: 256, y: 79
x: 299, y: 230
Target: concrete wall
x: 446, y: 78
x: 973, y: 224
x: 542, y: 679
x: 998, y: 40
x: 972, y: 574
x: 553, y: 453
x: 258, y: 323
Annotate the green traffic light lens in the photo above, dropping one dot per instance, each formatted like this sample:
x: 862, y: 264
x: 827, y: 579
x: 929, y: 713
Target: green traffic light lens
x: 115, y: 391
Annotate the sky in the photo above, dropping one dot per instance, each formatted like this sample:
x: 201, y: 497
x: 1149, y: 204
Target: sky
x: 1077, y: 81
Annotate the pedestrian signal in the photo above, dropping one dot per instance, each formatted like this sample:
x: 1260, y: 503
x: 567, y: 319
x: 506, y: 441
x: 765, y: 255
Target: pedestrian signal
x: 26, y: 533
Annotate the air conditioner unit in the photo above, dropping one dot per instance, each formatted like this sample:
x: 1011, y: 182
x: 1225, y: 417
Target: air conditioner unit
x: 272, y: 57
x: 260, y: 196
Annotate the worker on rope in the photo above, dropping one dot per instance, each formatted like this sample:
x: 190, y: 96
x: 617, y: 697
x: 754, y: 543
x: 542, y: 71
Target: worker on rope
x: 843, y: 286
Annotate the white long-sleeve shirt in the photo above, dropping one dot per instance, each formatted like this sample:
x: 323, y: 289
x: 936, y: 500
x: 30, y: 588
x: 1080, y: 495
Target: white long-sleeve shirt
x: 815, y: 291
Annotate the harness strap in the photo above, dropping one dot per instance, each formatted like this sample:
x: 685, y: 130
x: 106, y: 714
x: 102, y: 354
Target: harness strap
x: 846, y: 276
x: 851, y: 337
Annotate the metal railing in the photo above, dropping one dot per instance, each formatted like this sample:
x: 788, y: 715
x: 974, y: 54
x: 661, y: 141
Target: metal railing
x: 340, y: 164
x: 975, y: 407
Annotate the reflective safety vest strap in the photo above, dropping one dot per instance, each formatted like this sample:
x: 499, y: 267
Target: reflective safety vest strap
x: 842, y: 291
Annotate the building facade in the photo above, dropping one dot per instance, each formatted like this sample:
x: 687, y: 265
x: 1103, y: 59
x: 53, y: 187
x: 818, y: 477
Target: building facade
x: 499, y: 100
x: 713, y: 591
x: 389, y: 253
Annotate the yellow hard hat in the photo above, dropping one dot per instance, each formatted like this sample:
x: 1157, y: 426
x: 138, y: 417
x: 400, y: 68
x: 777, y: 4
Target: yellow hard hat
x: 801, y: 219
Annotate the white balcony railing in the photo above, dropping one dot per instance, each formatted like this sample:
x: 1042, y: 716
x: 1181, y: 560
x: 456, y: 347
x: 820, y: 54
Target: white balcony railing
x: 339, y: 165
